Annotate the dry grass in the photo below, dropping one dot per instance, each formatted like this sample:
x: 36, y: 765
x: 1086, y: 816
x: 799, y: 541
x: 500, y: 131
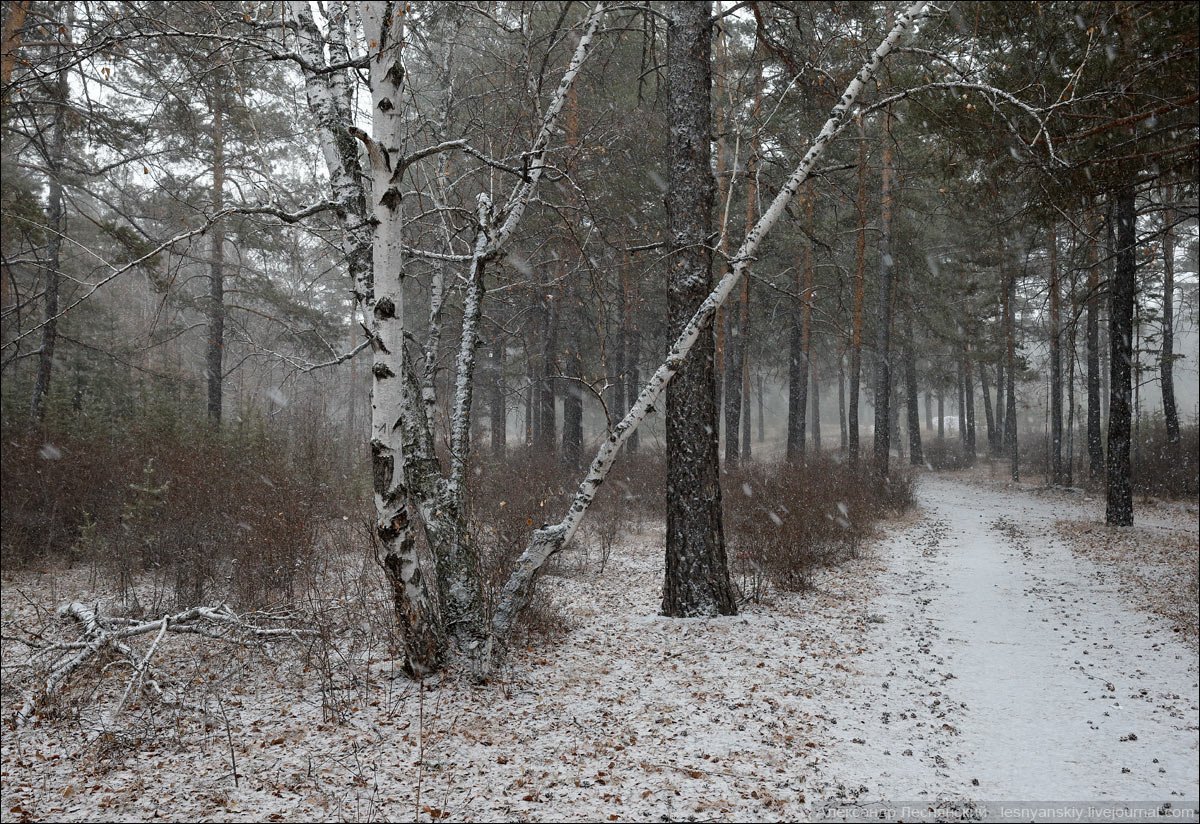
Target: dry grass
x: 1158, y: 566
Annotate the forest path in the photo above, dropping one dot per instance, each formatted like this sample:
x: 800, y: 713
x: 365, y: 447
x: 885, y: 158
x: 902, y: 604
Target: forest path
x: 1002, y: 669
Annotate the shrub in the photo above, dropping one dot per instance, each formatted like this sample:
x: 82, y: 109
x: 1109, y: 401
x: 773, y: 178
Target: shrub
x: 948, y: 454
x: 783, y: 522
x: 211, y: 516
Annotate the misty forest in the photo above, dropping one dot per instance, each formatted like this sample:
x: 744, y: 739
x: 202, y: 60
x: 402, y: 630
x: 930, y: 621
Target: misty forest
x: 598, y: 411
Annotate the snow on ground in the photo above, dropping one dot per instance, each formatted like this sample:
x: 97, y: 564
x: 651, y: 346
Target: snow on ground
x: 1007, y: 670
x: 971, y: 659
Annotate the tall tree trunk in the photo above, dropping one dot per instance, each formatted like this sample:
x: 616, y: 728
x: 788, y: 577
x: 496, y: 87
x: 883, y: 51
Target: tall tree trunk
x: 969, y: 394
x: 941, y: 416
x: 1166, y: 362
x: 1010, y: 395
x: 815, y: 394
x: 961, y: 409
x: 721, y: 105
x: 1106, y: 325
x: 762, y: 417
x: 731, y: 386
x: 546, y: 429
x: 1069, y: 477
x: 883, y: 373
x: 498, y: 410
x: 697, y: 576
x: 916, y: 455
x: 56, y: 217
x: 737, y: 379
x: 572, y: 430
x: 532, y: 419
x: 615, y: 368
x: 406, y: 564
x: 798, y: 363
x: 633, y: 375
x: 1001, y: 406
x: 1095, y: 438
x: 1056, y: 387
x: 842, y: 443
x: 989, y: 418
x: 860, y: 275
x: 1122, y: 297
x: 215, y: 309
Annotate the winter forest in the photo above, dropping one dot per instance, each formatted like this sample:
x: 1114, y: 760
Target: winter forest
x: 599, y: 411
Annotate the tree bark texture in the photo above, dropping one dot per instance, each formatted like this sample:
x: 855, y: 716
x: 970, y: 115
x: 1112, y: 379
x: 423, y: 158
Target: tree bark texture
x: 1056, y: 383
x: 697, y: 576
x: 883, y: 371
x: 1167, y: 360
x: 1095, y: 438
x: 1010, y: 395
x: 860, y: 276
x: 1122, y: 297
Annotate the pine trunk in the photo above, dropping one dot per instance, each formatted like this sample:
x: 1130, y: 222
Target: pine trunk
x: 1095, y: 437
x: 1166, y: 361
x: 697, y: 576
x: 883, y: 374
x: 860, y: 275
x: 1122, y: 297
x: 1056, y: 387
x: 1010, y: 395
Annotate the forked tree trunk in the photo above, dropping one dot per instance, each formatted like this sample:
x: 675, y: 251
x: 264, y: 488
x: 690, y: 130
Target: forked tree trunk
x: 697, y: 575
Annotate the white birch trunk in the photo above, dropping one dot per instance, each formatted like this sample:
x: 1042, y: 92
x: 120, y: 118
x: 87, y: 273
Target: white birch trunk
x: 392, y: 401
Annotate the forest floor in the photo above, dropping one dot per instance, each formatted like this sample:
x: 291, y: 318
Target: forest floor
x: 997, y: 649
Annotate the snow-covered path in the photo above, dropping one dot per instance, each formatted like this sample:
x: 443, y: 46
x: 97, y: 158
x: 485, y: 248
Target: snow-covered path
x: 1001, y: 669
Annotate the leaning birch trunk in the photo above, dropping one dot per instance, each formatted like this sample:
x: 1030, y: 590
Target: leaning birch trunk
x: 549, y: 540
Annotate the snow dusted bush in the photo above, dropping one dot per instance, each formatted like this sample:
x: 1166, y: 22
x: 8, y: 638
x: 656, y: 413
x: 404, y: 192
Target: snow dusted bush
x: 176, y: 517
x: 783, y: 522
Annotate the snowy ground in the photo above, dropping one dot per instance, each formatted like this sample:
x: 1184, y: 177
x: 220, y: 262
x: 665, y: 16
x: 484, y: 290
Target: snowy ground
x: 972, y: 660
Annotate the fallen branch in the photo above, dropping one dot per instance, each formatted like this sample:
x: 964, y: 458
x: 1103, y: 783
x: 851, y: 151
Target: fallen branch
x: 111, y: 633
